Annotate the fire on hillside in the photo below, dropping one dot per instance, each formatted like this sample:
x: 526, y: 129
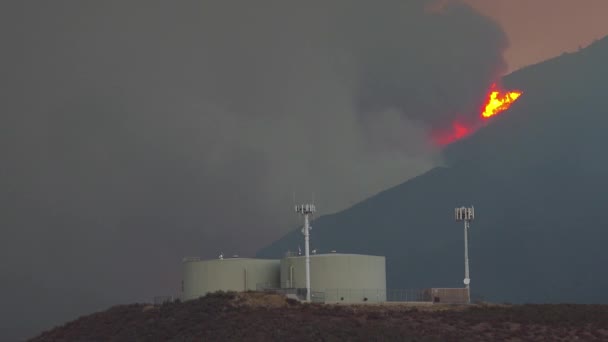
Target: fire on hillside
x: 496, y: 102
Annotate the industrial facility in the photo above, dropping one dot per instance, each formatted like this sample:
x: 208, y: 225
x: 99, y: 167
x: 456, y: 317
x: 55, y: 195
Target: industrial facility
x: 326, y: 278
x: 347, y: 278
x: 232, y: 274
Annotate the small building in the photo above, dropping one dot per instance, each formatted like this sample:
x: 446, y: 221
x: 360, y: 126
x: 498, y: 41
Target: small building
x: 450, y: 295
x: 338, y: 278
x: 230, y: 274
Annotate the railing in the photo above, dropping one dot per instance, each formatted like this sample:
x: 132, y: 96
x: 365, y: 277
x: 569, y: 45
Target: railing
x: 432, y: 295
x: 409, y: 295
x: 450, y: 295
x: 277, y: 288
x: 300, y: 293
x: 317, y: 296
x: 355, y: 295
x: 429, y: 295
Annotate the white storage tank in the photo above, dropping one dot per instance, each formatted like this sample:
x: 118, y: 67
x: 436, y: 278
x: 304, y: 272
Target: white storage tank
x: 230, y: 274
x: 338, y: 278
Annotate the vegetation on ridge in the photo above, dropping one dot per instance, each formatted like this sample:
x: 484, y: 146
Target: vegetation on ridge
x: 268, y: 317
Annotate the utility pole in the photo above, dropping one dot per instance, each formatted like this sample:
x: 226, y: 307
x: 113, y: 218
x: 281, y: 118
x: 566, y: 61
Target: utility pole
x: 306, y: 210
x: 466, y: 215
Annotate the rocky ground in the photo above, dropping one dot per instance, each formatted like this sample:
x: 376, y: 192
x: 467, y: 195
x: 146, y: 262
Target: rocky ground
x: 269, y: 317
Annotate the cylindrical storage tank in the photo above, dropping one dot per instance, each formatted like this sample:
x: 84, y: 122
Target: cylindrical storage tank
x: 338, y: 278
x: 232, y: 274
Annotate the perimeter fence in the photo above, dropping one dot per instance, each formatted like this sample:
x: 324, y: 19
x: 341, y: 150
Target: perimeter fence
x: 352, y: 295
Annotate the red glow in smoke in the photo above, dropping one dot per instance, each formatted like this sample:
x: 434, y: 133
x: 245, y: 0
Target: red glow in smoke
x: 496, y: 102
x: 456, y: 132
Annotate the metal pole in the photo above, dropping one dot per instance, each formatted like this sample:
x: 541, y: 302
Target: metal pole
x: 466, y: 260
x: 306, y: 238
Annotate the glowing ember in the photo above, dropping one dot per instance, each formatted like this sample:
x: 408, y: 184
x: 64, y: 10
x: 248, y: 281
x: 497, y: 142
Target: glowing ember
x: 498, y: 102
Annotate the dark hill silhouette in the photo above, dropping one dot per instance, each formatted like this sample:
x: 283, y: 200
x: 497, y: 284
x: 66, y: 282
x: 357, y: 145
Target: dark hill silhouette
x: 538, y: 177
x: 267, y: 317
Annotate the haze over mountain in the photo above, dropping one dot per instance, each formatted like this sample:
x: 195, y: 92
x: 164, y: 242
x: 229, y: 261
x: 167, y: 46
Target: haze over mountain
x: 135, y: 133
x: 537, y: 178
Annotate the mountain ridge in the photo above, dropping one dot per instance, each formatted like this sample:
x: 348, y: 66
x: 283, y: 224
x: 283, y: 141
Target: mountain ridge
x: 534, y: 174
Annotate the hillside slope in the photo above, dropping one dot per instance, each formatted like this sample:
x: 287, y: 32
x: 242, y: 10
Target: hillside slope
x: 266, y: 317
x: 537, y: 178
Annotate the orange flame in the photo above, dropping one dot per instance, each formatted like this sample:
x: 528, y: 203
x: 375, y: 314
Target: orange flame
x: 498, y: 102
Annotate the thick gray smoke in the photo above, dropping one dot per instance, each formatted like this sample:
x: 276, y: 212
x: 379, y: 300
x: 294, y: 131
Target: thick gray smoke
x: 134, y: 134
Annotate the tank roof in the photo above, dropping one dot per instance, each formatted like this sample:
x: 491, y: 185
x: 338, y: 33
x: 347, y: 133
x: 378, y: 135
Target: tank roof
x: 198, y: 259
x: 333, y: 254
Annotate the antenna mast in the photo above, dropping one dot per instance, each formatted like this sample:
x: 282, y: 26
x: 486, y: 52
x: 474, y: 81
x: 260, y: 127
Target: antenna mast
x: 306, y: 210
x: 466, y: 215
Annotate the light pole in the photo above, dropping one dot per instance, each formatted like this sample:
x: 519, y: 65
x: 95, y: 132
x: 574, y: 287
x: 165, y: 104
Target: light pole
x: 467, y: 215
x: 306, y: 210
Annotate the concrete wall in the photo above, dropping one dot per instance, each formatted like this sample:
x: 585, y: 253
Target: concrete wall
x: 232, y: 274
x: 348, y: 278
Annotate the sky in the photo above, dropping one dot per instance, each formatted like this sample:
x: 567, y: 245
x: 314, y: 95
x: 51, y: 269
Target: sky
x: 541, y: 29
x: 136, y: 133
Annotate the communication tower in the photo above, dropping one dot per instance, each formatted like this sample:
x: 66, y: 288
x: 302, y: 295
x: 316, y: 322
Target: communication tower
x: 467, y: 215
x: 306, y: 210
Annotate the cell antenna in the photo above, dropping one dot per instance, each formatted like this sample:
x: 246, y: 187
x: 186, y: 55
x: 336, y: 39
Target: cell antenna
x: 466, y: 215
x: 306, y: 210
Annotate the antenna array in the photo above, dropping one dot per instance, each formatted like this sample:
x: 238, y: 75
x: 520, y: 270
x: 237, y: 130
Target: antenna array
x: 466, y: 215
x: 306, y: 210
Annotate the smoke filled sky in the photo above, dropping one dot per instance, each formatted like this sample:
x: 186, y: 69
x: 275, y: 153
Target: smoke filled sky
x: 138, y: 132
x: 541, y: 29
